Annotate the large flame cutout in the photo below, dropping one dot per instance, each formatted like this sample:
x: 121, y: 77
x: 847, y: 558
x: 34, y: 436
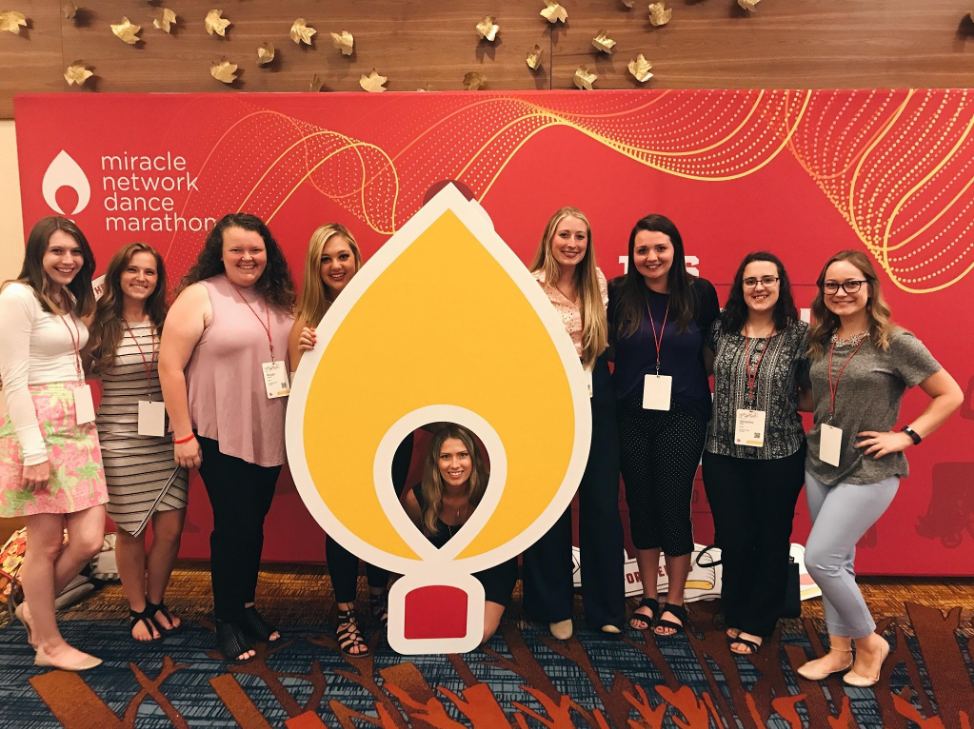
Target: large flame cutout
x: 65, y: 172
x: 444, y: 323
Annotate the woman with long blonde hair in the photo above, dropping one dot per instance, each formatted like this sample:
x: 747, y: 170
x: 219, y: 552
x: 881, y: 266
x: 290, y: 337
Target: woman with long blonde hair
x: 453, y: 485
x: 332, y: 260
x: 564, y: 266
x: 861, y: 363
x: 144, y: 483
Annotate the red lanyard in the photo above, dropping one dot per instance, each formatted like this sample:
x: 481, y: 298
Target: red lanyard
x: 267, y: 326
x: 75, y: 344
x: 152, y: 360
x: 833, y: 388
x: 752, y: 380
x: 662, y: 329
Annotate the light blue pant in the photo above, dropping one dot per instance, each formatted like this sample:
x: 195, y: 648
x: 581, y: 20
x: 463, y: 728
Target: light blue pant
x: 841, y: 514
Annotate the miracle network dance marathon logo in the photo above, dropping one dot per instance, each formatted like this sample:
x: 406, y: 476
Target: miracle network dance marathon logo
x: 140, y: 192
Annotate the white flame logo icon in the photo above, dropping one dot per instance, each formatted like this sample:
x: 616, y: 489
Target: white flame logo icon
x: 65, y: 172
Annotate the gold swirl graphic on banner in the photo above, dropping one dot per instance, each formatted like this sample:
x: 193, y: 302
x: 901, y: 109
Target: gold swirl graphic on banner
x: 899, y: 167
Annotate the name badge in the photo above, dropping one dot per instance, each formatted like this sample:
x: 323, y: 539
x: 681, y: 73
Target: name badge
x: 588, y: 381
x: 275, y: 380
x: 749, y: 430
x: 84, y: 406
x: 656, y: 392
x: 830, y: 445
x: 152, y: 418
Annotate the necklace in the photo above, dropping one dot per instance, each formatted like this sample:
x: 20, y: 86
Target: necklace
x: 853, y: 341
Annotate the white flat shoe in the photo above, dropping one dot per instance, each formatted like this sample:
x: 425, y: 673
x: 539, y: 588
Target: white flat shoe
x: 562, y: 630
x: 86, y: 663
x: 854, y: 679
x: 813, y: 673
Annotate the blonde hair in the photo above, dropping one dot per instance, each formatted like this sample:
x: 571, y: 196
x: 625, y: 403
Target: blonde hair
x: 431, y: 485
x: 824, y: 322
x: 314, y: 301
x: 595, y: 328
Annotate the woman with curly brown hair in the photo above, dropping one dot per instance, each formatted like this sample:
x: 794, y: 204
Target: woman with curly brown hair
x: 143, y: 482
x: 224, y: 373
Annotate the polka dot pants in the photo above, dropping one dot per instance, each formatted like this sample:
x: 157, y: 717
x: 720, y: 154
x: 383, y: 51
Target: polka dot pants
x: 659, y: 451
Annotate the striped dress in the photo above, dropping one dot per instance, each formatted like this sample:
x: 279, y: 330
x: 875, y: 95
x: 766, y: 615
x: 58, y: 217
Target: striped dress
x: 137, y: 468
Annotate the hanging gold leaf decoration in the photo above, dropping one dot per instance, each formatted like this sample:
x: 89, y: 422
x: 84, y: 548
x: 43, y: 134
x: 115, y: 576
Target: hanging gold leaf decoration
x: 77, y: 73
x: 265, y: 53
x: 584, y: 78
x: 534, y: 58
x: 602, y: 42
x: 639, y: 68
x: 163, y: 18
x: 554, y: 12
x: 487, y: 29
x: 373, y: 82
x: 474, y: 81
x: 659, y: 14
x: 68, y: 9
x: 315, y: 84
x: 301, y: 32
x: 427, y: 87
x: 344, y: 41
x: 748, y: 4
x: 628, y: 3
x: 127, y: 31
x: 216, y: 23
x: 12, y: 21
x: 224, y: 71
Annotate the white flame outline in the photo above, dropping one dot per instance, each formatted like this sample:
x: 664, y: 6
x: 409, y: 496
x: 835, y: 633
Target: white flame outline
x: 65, y: 172
x: 449, y: 198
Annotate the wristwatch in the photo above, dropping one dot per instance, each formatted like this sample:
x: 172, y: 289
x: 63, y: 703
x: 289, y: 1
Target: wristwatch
x: 912, y: 433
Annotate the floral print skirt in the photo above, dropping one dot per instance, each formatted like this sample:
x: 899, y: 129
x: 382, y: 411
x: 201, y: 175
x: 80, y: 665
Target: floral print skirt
x: 77, y: 477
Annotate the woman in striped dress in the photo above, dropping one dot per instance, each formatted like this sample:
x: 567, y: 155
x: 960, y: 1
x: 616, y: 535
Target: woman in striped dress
x: 144, y: 484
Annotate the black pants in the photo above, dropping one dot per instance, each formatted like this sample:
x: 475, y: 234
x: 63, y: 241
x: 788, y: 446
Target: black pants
x: 240, y: 494
x: 548, y: 587
x: 753, y: 504
x: 659, y: 454
x: 342, y: 564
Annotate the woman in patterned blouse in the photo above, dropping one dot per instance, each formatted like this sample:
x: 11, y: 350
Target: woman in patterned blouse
x: 753, y: 461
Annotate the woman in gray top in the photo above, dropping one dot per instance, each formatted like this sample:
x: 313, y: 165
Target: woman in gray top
x: 861, y: 363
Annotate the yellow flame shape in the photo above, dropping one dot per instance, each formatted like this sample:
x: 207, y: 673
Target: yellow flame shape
x: 440, y: 322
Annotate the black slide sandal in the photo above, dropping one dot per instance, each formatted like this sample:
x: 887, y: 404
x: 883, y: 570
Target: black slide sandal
x: 677, y: 611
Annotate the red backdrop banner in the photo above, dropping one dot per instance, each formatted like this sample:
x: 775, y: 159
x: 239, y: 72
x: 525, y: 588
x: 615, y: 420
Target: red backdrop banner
x: 799, y: 173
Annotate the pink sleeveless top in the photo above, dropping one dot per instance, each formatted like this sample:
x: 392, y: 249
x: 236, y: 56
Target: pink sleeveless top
x: 228, y: 402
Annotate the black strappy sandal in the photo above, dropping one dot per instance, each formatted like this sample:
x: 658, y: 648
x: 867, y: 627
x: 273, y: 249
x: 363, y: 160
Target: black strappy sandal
x: 151, y: 608
x: 232, y: 643
x: 349, y: 636
x: 144, y: 617
x: 256, y: 627
x: 379, y: 605
x: 751, y: 646
x: 649, y: 621
x: 679, y: 612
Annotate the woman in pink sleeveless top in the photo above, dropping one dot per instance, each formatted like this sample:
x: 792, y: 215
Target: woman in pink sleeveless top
x: 224, y: 373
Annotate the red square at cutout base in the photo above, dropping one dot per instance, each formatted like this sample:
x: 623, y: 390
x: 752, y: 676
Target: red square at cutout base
x: 435, y: 612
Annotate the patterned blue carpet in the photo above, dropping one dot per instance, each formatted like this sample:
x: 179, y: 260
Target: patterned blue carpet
x: 523, y: 679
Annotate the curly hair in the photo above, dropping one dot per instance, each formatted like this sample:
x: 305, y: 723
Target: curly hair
x: 106, y: 330
x: 275, y: 282
x: 734, y: 315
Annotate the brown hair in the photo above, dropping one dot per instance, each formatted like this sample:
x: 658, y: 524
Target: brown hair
x: 32, y: 273
x: 824, y: 322
x: 432, y: 482
x: 106, y: 330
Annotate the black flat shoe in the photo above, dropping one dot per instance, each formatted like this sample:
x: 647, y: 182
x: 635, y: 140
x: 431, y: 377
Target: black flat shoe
x: 751, y: 646
x: 144, y: 617
x: 677, y: 611
x: 232, y: 643
x: 255, y: 627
